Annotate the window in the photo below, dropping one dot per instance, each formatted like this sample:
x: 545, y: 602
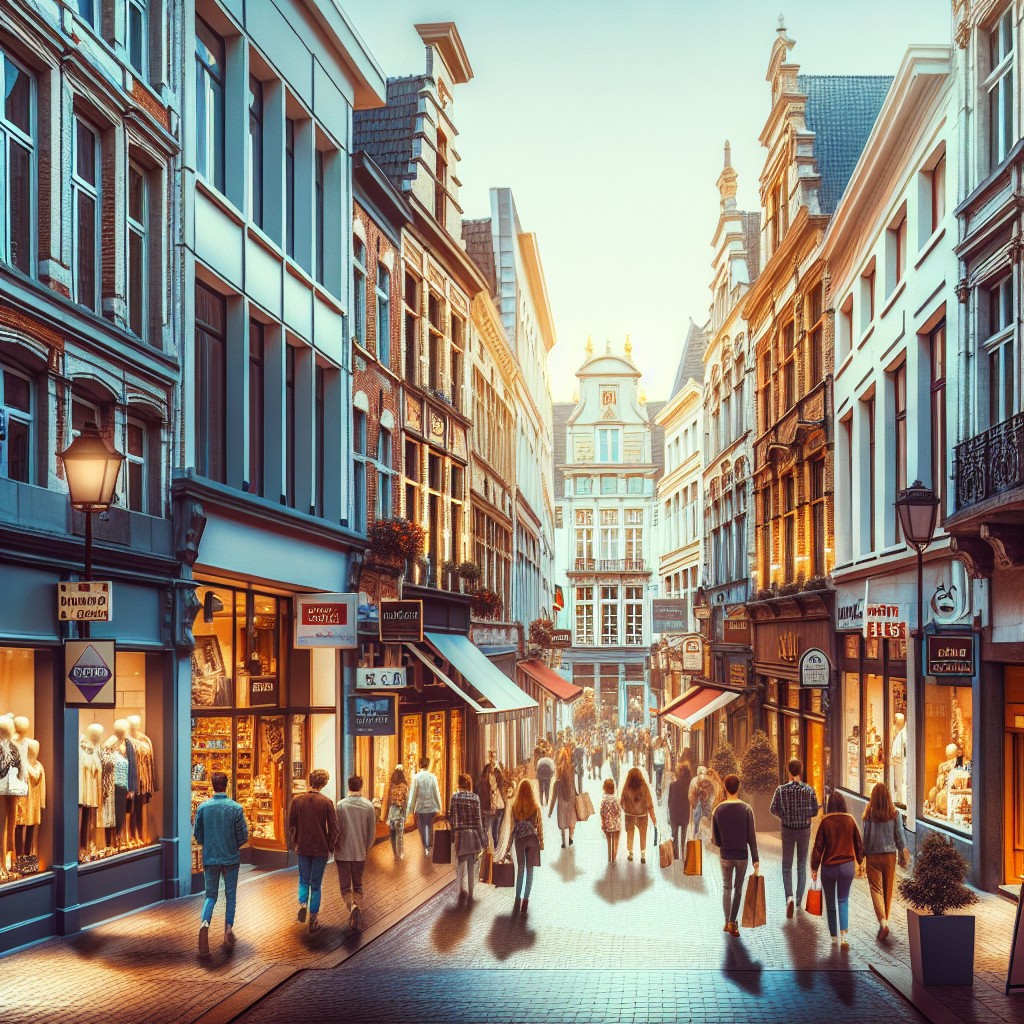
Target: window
x: 899, y: 405
x: 385, y: 474
x: 320, y: 440
x: 383, y: 314
x: 789, y: 365
x: 846, y: 327
x: 937, y: 194
x: 138, y: 251
x: 584, y: 538
x: 764, y: 404
x: 558, y: 517
x: 999, y: 88
x: 209, y: 104
x: 359, y: 443
x: 138, y: 36
x: 948, y: 754
x: 412, y: 329
x: 440, y: 178
x: 17, y: 165
x: 291, y: 422
x: 814, y: 361
x: 210, y: 384
x: 87, y: 12
x: 1001, y: 349
x: 609, y: 616
x: 359, y: 291
x: 867, y: 291
x: 289, y: 186
x: 634, y: 535
x: 818, y: 517
x: 585, y: 615
x: 869, y: 408
x: 256, y: 150
x: 634, y: 485
x: 609, y: 533
x: 135, y: 462
x: 609, y: 484
x: 17, y: 419
x: 435, y: 352
x: 634, y: 616
x: 608, y: 444
x: 319, y: 227
x: 849, y: 773
x: 937, y: 398
x: 896, y: 251
x: 789, y: 526
x: 257, y: 383
x: 85, y: 190
x: 458, y: 347
x: 584, y: 485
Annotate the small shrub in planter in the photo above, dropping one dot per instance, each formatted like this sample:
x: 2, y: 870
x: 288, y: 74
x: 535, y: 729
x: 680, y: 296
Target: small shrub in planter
x: 486, y: 604
x: 816, y: 583
x: 724, y: 760
x: 941, y: 947
x: 759, y: 775
x: 540, y: 633
x: 469, y: 571
x: 396, y: 540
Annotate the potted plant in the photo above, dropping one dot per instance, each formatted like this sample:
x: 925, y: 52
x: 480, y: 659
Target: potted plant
x: 540, y: 634
x: 941, y: 946
x: 759, y: 773
x: 396, y: 541
x: 584, y: 711
x: 468, y: 573
x: 486, y: 604
x: 450, y: 571
x: 724, y: 760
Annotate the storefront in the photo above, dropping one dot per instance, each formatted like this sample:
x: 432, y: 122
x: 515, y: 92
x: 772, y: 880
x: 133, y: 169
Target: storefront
x: 553, y: 693
x: 696, y: 720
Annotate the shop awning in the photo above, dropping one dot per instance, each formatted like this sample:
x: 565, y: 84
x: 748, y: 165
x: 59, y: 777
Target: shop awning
x: 492, y: 691
x: 696, y: 704
x: 545, y: 676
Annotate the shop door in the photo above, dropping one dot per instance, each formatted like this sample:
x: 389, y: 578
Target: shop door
x: 816, y: 758
x: 1013, y: 788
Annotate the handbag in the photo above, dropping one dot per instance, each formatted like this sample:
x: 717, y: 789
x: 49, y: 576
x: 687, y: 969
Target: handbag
x: 580, y: 803
x: 15, y: 785
x: 666, y: 851
x: 693, y: 862
x: 533, y: 855
x: 905, y: 857
x: 503, y: 874
x: 813, y: 904
x: 441, y: 852
x: 467, y: 841
x: 754, y: 913
x: 486, y: 864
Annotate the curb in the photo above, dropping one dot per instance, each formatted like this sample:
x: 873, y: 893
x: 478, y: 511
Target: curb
x: 900, y: 980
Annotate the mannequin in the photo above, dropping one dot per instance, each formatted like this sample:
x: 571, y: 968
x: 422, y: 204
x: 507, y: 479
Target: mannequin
x: 899, y: 758
x: 89, y: 774
x: 122, y: 754
x: 30, y: 808
x: 10, y: 757
x: 146, y: 763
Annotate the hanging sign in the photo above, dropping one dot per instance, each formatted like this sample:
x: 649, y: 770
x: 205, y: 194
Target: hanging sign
x: 736, y: 631
x: 89, y: 673
x: 84, y: 602
x: 390, y: 678
x: 669, y: 615
x: 561, y: 639
x: 401, y: 622
x: 815, y: 669
x: 949, y: 655
x: 693, y: 654
x: 884, y: 622
x: 263, y: 691
x: 326, y: 620
x: 370, y: 715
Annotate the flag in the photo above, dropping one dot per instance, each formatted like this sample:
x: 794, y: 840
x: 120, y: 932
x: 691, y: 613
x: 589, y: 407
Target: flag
x: 559, y: 603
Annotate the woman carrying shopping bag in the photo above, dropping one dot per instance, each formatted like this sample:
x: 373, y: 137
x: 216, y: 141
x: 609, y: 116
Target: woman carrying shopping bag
x: 563, y: 794
x: 467, y: 824
x: 397, y: 811
x: 637, y: 805
x: 838, y: 848
x: 884, y: 840
x: 528, y: 837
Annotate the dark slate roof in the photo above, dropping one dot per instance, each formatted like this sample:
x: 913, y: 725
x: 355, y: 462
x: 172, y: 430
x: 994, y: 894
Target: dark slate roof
x: 691, y: 363
x: 657, y: 439
x: 841, y: 111
x: 752, y: 243
x: 480, y: 246
x: 560, y: 413
x: 386, y: 133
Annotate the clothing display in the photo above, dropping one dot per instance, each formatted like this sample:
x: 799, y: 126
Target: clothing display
x: 89, y: 773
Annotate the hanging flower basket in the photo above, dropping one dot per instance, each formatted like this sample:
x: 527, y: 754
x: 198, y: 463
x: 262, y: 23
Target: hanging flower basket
x: 469, y: 571
x: 395, y: 541
x: 541, y: 631
x: 486, y: 604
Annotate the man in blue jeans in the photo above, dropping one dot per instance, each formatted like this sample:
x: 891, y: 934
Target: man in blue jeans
x: 221, y: 831
x: 425, y: 802
x: 795, y: 804
x: 313, y: 828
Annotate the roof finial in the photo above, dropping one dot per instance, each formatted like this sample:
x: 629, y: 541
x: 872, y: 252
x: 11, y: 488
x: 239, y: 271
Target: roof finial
x: 607, y: 347
x: 782, y: 23
x: 629, y: 348
x: 643, y: 397
x: 590, y: 346
x: 728, y: 154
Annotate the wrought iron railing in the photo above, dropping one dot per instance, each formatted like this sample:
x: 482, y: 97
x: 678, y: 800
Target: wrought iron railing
x: 990, y: 463
x: 609, y: 565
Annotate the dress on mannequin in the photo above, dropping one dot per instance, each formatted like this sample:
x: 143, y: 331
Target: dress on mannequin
x: 145, y: 763
x: 90, y: 770
x: 30, y: 808
x: 10, y: 758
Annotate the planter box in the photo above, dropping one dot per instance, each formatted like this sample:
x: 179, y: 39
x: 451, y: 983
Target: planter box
x: 941, y: 948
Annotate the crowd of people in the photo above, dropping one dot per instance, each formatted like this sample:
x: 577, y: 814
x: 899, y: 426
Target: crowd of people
x: 503, y: 814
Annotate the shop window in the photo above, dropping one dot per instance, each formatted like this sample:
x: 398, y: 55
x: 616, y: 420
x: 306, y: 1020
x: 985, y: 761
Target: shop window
x: 948, y: 754
x: 117, y: 812
x: 874, y: 732
x: 850, y: 765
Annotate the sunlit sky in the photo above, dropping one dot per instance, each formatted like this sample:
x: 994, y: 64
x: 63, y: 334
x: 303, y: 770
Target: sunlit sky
x: 607, y: 121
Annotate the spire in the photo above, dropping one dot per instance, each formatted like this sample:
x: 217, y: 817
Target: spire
x: 590, y: 346
x: 629, y: 349
x: 728, y: 154
x: 607, y: 347
x: 727, y: 181
x: 782, y: 25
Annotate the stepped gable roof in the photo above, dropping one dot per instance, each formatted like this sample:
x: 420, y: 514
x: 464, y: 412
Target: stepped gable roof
x: 386, y: 133
x: 480, y: 246
x: 841, y: 111
x: 691, y: 362
x: 752, y: 244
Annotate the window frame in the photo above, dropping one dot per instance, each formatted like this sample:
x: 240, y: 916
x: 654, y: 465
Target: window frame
x: 141, y: 9
x: 84, y: 190
x: 140, y: 230
x: 359, y: 291
x: 13, y: 134
x: 257, y: 153
x: 937, y: 406
x: 25, y: 417
x: 1000, y: 85
x: 209, y: 71
x: 383, y: 325
x: 140, y: 461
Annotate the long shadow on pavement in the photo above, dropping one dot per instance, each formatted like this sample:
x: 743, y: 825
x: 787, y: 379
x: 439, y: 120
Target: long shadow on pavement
x: 565, y: 865
x: 739, y: 969
x: 510, y: 933
x: 451, y: 926
x: 681, y: 880
x: 622, y: 882
x: 801, y: 934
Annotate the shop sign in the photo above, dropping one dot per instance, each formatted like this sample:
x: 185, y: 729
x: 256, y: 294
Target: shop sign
x: 326, y: 620
x: 693, y: 654
x: 84, y: 602
x: 263, y: 691
x: 401, y: 622
x: 884, y: 622
x: 561, y: 639
x: 89, y: 673
x: 850, y: 613
x: 737, y: 675
x: 371, y: 715
x: 950, y: 655
x: 389, y: 678
x: 815, y: 669
x: 669, y: 615
x: 736, y: 631
x: 789, y: 646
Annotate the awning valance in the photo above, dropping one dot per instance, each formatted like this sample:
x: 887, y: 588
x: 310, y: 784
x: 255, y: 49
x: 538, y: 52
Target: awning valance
x: 695, y: 705
x: 546, y: 677
x: 490, y: 691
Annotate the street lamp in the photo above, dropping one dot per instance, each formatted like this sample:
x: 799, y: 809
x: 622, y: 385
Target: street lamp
x: 91, y: 467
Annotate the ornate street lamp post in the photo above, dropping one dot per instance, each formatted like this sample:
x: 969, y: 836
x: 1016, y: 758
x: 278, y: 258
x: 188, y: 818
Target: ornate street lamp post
x: 91, y: 467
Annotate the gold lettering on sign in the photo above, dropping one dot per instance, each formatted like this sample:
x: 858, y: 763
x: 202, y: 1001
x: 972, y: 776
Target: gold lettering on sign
x: 789, y: 647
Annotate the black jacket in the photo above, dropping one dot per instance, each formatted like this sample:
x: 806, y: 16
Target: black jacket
x: 679, y: 798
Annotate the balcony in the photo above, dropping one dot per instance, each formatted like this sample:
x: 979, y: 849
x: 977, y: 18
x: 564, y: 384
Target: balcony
x: 609, y: 565
x: 990, y: 463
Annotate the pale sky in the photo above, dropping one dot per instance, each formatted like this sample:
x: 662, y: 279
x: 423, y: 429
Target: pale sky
x: 607, y: 122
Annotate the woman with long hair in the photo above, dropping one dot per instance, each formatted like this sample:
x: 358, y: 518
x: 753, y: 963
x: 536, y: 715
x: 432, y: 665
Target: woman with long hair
x: 468, y: 831
x: 563, y: 795
x: 884, y: 840
x: 637, y: 805
x: 397, y: 810
x: 528, y: 836
x: 837, y: 849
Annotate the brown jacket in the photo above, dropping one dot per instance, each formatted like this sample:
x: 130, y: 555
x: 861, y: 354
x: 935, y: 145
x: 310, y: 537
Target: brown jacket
x: 312, y: 824
x: 838, y: 841
x: 637, y: 805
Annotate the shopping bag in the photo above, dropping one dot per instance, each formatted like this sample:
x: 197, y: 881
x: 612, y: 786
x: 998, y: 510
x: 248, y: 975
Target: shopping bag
x: 693, y: 862
x: 666, y: 851
x: 441, y: 852
x: 588, y: 805
x: 503, y: 874
x: 486, y: 864
x: 813, y: 904
x: 533, y: 855
x: 754, y: 914
x: 584, y: 806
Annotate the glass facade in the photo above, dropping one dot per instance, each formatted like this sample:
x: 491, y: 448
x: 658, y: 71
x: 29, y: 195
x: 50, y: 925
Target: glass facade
x: 948, y: 755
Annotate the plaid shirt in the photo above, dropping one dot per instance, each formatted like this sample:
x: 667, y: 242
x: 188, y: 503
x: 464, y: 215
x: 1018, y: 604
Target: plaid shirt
x: 795, y: 803
x: 464, y: 812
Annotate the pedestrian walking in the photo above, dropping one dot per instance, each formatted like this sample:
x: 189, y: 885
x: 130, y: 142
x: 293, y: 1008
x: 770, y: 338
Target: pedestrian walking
x: 313, y: 828
x: 884, y: 841
x: 702, y: 795
x: 578, y: 755
x: 734, y: 833
x: 563, y: 795
x: 611, y: 819
x: 398, y: 810
x: 545, y: 773
x: 469, y: 837
x: 491, y: 793
x: 425, y: 802
x: 637, y: 805
x: 357, y: 830
x: 597, y: 759
x: 658, y: 759
x: 679, y: 805
x: 221, y: 831
x: 528, y: 836
x: 794, y: 804
x: 617, y: 759
x: 837, y: 848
